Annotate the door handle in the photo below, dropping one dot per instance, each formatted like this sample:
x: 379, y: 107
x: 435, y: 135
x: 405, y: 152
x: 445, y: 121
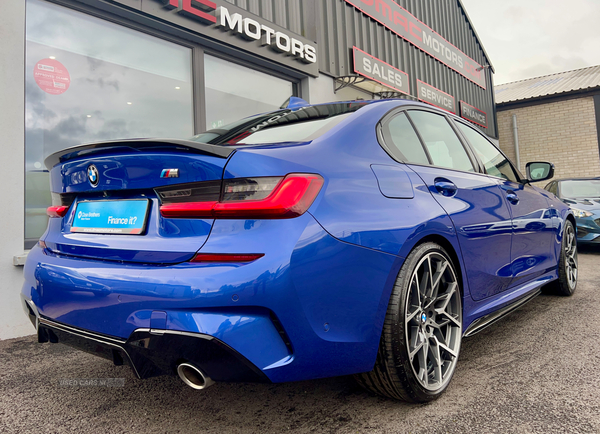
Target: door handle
x: 445, y: 187
x: 512, y: 197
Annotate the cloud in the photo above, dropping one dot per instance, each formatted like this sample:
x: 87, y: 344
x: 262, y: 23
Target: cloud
x: 537, y: 37
x: 101, y: 82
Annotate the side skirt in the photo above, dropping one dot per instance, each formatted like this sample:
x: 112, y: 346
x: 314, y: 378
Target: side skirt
x: 487, y: 320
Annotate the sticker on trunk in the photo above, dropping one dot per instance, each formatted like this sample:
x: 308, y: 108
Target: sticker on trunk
x: 111, y: 217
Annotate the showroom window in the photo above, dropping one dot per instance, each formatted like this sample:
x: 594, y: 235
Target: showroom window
x: 91, y: 80
x: 234, y: 92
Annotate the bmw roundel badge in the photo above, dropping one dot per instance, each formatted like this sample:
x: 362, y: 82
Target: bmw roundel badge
x: 93, y: 175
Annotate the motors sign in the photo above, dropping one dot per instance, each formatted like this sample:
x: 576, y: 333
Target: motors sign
x: 227, y: 23
x: 473, y: 114
x: 429, y: 94
x: 405, y: 25
x: 379, y: 71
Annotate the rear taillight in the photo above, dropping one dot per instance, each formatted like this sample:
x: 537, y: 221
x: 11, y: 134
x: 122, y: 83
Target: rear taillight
x: 225, y: 257
x: 57, y: 211
x: 60, y: 204
x: 249, y: 198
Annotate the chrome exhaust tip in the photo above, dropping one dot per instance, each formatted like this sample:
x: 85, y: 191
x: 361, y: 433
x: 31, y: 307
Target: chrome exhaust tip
x: 194, y: 377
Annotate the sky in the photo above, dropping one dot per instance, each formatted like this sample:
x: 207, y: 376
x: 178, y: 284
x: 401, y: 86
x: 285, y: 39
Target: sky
x: 530, y: 38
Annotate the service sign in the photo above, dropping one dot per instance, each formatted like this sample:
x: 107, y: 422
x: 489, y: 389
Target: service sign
x: 429, y: 94
x: 224, y: 22
x: 111, y: 217
x: 408, y: 27
x: 473, y: 114
x: 379, y: 71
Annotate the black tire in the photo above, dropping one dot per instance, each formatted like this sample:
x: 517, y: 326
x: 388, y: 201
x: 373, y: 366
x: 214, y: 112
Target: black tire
x: 566, y: 283
x: 398, y: 374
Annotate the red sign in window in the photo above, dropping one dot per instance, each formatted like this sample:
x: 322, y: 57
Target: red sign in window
x: 51, y: 76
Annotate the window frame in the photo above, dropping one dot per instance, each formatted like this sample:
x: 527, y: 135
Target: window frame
x: 384, y: 138
x: 550, y: 186
x: 518, y: 175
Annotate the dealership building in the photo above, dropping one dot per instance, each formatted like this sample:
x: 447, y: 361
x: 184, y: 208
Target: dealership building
x: 553, y: 118
x: 78, y: 71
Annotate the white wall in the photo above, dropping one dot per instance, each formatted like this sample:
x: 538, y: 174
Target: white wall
x: 13, y: 321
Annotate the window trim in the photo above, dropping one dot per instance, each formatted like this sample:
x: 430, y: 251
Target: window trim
x: 518, y: 175
x: 386, y: 137
x: 383, y: 138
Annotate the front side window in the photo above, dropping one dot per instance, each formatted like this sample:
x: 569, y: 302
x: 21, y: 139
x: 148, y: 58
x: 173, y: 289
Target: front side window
x: 552, y: 188
x: 89, y: 80
x: 495, y: 163
x: 441, y: 142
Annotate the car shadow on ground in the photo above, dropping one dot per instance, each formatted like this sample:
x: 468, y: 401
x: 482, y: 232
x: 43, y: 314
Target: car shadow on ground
x: 592, y: 249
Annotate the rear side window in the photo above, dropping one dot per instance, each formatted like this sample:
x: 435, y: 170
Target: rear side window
x: 441, y: 141
x: 495, y: 163
x: 405, y: 142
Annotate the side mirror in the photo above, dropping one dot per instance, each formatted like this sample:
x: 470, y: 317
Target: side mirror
x: 539, y: 171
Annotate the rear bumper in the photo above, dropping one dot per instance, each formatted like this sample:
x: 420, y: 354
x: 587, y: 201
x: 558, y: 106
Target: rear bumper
x: 312, y: 307
x: 151, y: 353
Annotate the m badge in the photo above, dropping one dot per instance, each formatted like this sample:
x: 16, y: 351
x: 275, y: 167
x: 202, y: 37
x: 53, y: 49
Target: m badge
x: 169, y: 173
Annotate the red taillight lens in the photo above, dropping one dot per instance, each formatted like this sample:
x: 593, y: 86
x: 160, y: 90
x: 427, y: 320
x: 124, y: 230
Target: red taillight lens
x: 57, y: 211
x: 254, y: 198
x: 226, y: 257
x: 188, y: 209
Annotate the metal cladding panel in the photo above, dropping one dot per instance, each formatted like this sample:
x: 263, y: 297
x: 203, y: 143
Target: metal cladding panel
x: 343, y: 26
x: 585, y: 79
x: 285, y: 13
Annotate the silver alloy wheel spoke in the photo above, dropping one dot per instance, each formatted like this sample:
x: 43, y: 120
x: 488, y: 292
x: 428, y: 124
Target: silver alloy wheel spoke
x: 433, y: 321
x: 571, y: 264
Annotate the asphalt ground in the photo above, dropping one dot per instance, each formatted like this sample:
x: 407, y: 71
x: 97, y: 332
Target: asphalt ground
x: 536, y: 371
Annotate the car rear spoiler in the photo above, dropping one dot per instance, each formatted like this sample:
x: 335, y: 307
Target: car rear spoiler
x: 138, y: 145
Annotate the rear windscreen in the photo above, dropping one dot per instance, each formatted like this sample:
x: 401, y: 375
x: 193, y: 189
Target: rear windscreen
x: 287, y: 125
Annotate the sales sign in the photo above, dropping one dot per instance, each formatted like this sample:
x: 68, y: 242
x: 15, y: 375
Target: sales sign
x: 408, y: 27
x: 379, y: 71
x: 429, y: 94
x: 473, y: 114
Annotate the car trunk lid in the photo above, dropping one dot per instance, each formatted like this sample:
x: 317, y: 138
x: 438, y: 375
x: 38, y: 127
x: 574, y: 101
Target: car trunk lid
x: 110, y: 184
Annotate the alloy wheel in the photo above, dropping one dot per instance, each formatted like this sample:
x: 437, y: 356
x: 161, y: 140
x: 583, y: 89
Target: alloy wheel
x: 433, y: 321
x: 571, y: 256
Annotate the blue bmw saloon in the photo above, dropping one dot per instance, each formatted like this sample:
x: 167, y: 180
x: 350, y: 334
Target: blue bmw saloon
x: 363, y: 238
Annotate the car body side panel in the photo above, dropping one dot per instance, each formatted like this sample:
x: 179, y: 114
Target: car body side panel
x: 483, y: 225
x: 532, y: 251
x: 351, y: 207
